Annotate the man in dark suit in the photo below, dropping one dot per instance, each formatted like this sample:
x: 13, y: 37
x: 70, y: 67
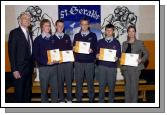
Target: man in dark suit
x: 20, y: 55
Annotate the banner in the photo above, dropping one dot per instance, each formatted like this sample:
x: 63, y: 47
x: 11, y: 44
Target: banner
x: 71, y: 14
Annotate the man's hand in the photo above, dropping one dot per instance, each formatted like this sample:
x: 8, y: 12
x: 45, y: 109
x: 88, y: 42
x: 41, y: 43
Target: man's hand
x: 16, y: 75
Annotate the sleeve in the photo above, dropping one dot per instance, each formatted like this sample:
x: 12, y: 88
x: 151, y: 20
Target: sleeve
x: 144, y: 52
x: 94, y: 44
x: 123, y: 47
x: 98, y: 47
x: 12, y: 50
x: 69, y: 43
x: 36, y: 53
x: 118, y: 50
x: 74, y: 41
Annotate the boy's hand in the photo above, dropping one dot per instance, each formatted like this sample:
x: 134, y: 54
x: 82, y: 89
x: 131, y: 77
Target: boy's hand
x: 97, y: 56
x: 54, y: 62
x: 90, y: 50
x: 116, y: 58
x: 74, y: 48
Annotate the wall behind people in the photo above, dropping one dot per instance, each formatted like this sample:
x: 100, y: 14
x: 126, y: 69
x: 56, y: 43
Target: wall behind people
x: 142, y: 16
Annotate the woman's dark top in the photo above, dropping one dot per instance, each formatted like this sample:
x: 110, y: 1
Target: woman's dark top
x: 128, y: 50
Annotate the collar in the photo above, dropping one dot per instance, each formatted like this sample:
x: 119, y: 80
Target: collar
x: 58, y: 34
x: 131, y: 43
x: 23, y: 29
x: 44, y: 34
x: 109, y: 39
x: 85, y: 33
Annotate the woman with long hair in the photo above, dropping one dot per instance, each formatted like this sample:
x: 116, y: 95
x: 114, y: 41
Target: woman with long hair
x: 131, y: 73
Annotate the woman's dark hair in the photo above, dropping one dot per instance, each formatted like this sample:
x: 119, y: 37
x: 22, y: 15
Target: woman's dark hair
x: 131, y: 26
x: 43, y: 22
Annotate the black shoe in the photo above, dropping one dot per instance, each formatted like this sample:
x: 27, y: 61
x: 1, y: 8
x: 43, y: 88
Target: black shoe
x: 91, y: 101
x: 79, y: 101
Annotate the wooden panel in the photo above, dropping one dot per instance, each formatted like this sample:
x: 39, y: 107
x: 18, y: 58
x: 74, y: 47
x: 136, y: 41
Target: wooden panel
x: 150, y: 45
x: 118, y: 88
x: 96, y: 83
x: 7, y: 62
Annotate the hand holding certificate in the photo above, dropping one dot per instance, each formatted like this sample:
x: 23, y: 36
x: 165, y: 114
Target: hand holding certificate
x: 66, y: 56
x: 107, y: 55
x: 53, y: 56
x: 82, y: 47
x: 129, y: 59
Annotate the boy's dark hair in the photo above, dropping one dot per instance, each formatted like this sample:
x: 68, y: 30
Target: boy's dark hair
x: 84, y: 19
x: 59, y: 20
x: 43, y: 22
x: 110, y: 26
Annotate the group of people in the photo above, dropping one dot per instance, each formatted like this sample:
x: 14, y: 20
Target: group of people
x: 23, y: 52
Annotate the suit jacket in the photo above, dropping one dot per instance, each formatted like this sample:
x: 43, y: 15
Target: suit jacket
x: 138, y: 48
x: 19, y: 52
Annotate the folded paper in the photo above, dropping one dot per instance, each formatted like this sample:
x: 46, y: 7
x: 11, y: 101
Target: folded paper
x: 107, y: 54
x: 53, y: 55
x: 129, y: 59
x: 82, y: 47
x: 66, y: 56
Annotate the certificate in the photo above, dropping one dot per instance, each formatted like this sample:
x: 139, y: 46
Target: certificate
x: 129, y: 59
x: 107, y: 54
x: 53, y: 55
x: 82, y: 47
x: 66, y: 56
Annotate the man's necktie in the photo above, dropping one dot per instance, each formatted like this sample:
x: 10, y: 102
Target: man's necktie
x: 29, y: 40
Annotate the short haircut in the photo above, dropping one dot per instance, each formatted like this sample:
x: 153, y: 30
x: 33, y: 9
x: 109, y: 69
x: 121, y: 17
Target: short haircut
x: 25, y: 13
x: 43, y: 22
x: 110, y: 26
x: 59, y: 20
x: 131, y: 26
x: 84, y: 19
